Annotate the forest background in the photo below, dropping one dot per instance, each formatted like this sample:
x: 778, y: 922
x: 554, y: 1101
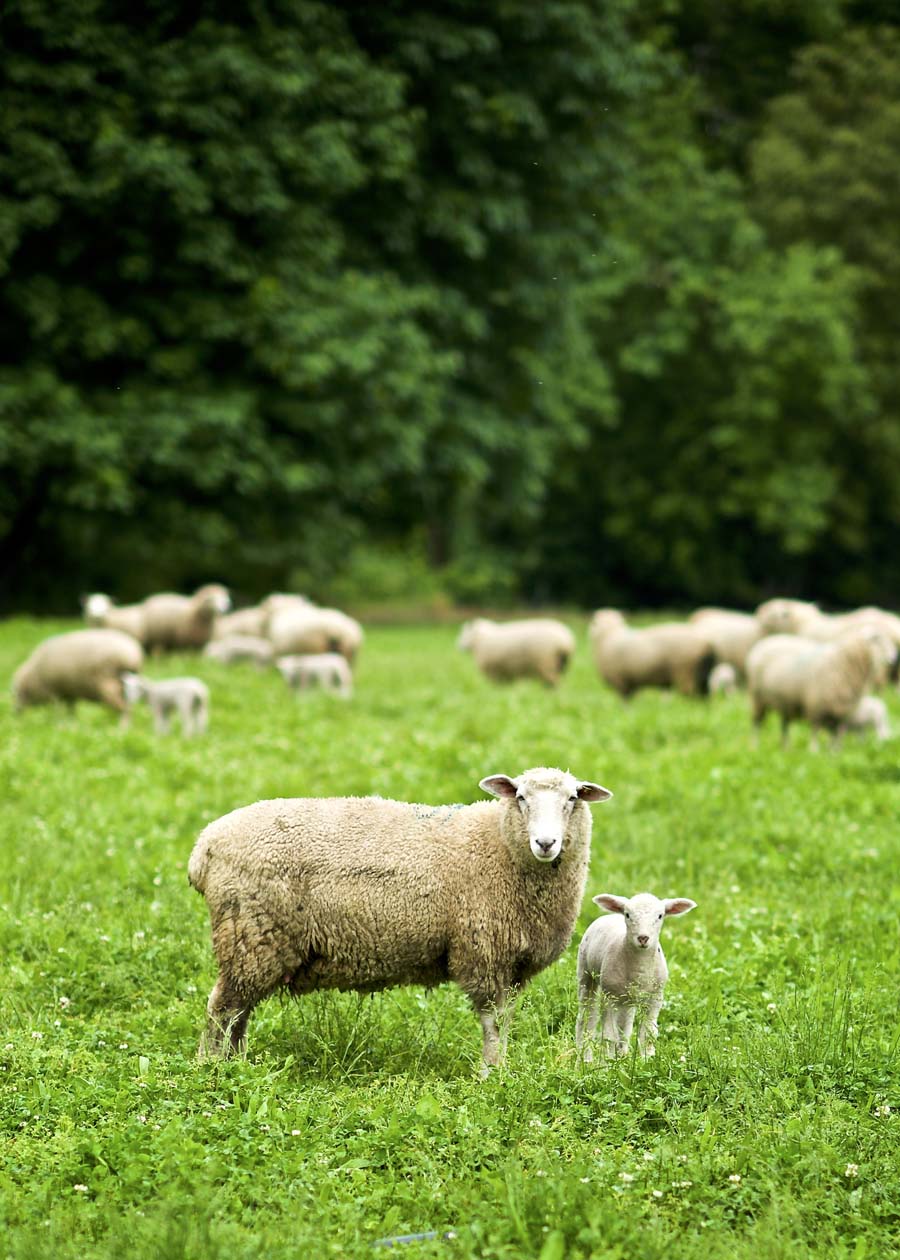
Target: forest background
x: 486, y: 301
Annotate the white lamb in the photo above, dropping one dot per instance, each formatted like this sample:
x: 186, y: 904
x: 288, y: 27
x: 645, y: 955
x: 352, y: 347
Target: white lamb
x: 723, y: 680
x: 328, y: 670
x: 189, y: 697
x: 870, y: 715
x: 620, y: 961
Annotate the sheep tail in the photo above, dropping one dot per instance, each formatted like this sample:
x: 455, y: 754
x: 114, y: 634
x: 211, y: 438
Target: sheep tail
x: 198, y: 866
x: 704, y: 668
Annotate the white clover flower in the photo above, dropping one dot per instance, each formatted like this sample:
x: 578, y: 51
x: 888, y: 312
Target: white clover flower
x: 852, y: 1170
x: 771, y: 1007
x: 657, y: 1194
x: 38, y: 1036
x: 735, y: 1179
x: 80, y: 1188
x: 64, y: 1002
x: 883, y: 1110
x: 540, y: 1173
x: 626, y: 1177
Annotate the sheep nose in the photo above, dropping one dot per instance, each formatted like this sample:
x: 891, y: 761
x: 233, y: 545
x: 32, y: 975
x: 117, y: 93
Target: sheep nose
x: 642, y: 940
x: 545, y: 845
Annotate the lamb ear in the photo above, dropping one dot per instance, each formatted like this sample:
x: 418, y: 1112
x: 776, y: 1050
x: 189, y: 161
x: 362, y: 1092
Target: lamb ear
x: 679, y: 905
x: 498, y: 785
x: 606, y: 901
x: 592, y: 792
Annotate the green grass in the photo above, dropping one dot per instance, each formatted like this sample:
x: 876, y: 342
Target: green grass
x: 353, y: 1119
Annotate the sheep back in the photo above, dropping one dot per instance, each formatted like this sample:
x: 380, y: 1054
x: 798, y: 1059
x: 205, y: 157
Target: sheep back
x: 78, y: 665
x: 537, y: 647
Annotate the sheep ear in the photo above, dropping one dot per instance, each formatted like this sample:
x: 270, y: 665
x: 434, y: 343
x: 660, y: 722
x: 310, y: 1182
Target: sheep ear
x: 679, y: 905
x: 592, y: 792
x: 498, y: 785
x: 606, y: 901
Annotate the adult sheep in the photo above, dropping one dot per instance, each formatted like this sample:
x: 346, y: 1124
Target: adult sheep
x: 177, y: 622
x: 303, y: 629
x: 730, y: 634
x: 821, y: 683
x: 79, y: 665
x: 360, y: 893
x: 671, y: 654
x: 102, y: 614
x: 248, y: 623
x: 536, y: 647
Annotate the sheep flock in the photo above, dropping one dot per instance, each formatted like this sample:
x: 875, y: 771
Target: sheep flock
x: 362, y: 893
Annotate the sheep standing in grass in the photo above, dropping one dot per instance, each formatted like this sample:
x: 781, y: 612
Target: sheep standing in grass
x: 301, y: 628
x: 870, y: 715
x: 821, y: 683
x: 101, y: 613
x: 730, y: 634
x: 672, y: 654
x: 79, y: 665
x: 537, y: 647
x: 621, y: 965
x: 188, y: 697
x: 723, y: 680
x: 245, y: 623
x: 240, y: 647
x: 328, y: 670
x: 360, y: 893
x: 173, y: 622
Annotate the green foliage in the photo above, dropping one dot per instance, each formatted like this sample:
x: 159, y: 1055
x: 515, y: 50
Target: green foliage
x: 353, y: 1118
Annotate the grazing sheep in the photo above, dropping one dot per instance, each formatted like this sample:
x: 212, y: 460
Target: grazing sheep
x: 101, y: 613
x: 537, y: 647
x: 870, y: 715
x: 820, y: 682
x: 306, y: 630
x: 328, y: 670
x: 79, y: 665
x: 620, y: 961
x: 787, y: 616
x: 673, y: 654
x: 360, y: 893
x: 240, y: 647
x: 188, y: 697
x: 723, y: 680
x: 245, y: 623
x: 173, y: 622
x: 730, y: 634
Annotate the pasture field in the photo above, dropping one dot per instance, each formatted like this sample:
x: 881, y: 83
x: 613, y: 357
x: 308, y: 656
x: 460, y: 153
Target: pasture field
x: 766, y: 1126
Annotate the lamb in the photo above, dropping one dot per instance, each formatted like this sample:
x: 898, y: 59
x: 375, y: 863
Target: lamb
x: 240, y: 647
x: 305, y: 629
x: 328, y: 670
x: 78, y: 665
x: 173, y: 622
x: 730, y: 634
x: 870, y: 714
x: 537, y: 647
x: 723, y: 680
x: 100, y: 612
x: 820, y: 682
x: 189, y: 697
x: 621, y: 961
x: 672, y: 654
x: 361, y: 893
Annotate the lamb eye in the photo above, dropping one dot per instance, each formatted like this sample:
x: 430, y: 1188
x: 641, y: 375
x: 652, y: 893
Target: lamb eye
x: 627, y: 915
x: 659, y: 916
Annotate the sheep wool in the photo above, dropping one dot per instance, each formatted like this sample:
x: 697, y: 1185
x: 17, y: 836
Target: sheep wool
x: 79, y: 665
x: 730, y: 634
x: 302, y: 629
x: 671, y: 654
x: 537, y: 647
x: 101, y: 613
x: 240, y: 647
x: 361, y: 893
x: 173, y: 622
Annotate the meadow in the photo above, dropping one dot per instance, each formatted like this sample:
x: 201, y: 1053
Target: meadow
x: 766, y: 1126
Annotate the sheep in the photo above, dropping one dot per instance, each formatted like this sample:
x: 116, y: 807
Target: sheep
x: 240, y: 647
x: 730, y: 634
x: 79, y: 665
x: 183, y: 621
x: 305, y: 630
x: 671, y: 654
x: 621, y: 961
x: 787, y: 616
x: 538, y: 647
x: 101, y: 613
x: 723, y: 680
x: 820, y: 682
x: 245, y: 623
x: 870, y: 714
x: 328, y: 670
x: 361, y: 893
x: 189, y: 697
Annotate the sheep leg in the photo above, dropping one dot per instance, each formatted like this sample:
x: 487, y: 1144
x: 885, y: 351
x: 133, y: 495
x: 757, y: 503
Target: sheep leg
x: 201, y: 717
x: 495, y: 1019
x: 625, y: 1025
x: 226, y: 1022
x: 160, y: 720
x: 649, y: 1029
x: 610, y: 1030
x: 112, y: 694
x: 588, y: 1017
x: 785, y: 729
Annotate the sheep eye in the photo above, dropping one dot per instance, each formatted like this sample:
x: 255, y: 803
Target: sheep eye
x: 627, y: 915
x: 572, y: 800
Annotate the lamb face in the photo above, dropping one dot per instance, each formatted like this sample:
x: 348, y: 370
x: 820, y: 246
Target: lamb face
x: 545, y: 804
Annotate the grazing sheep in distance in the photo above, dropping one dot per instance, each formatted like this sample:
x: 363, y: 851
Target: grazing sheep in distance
x: 245, y: 623
x: 820, y: 682
x: 787, y: 616
x: 621, y: 961
x: 188, y: 697
x: 79, y: 665
x: 723, y: 680
x: 672, y: 654
x: 101, y: 613
x: 173, y: 622
x: 730, y: 634
x: 328, y: 670
x: 240, y: 647
x: 361, y: 893
x: 537, y: 647
x: 302, y: 629
x: 870, y: 715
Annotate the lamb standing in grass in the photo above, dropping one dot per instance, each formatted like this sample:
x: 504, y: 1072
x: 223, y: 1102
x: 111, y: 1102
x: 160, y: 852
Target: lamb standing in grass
x: 622, y: 965
x: 328, y: 670
x: 188, y: 697
x: 723, y: 680
x: 80, y: 665
x: 536, y: 647
x: 360, y: 893
x: 870, y: 715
